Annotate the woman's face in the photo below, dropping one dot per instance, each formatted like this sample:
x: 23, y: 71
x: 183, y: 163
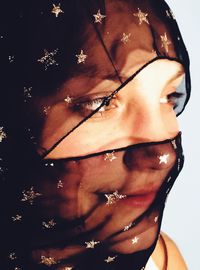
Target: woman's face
x: 143, y: 111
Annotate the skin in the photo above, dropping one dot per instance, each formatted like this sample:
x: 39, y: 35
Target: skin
x: 149, y: 116
x: 141, y: 99
x: 141, y: 112
x: 175, y: 259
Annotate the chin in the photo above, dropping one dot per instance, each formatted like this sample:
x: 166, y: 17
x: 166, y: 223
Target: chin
x: 144, y: 241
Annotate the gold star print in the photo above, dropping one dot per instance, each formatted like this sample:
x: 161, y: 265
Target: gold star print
x: 46, y: 109
x: 156, y: 219
x: 126, y: 228
x: 165, y: 42
x: 11, y: 58
x: 174, y: 144
x: 30, y: 195
x: 163, y: 159
x: 170, y: 14
x: 179, y: 164
x: 68, y: 99
x: 169, y: 179
x: 60, y: 184
x: 17, y: 218
x: 49, y: 225
x: 110, y: 156
x: 2, y: 134
x: 49, y: 164
x: 135, y: 240
x: 141, y: 16
x: 91, y: 244
x: 57, y: 10
x: 81, y: 57
x: 27, y: 93
x: 48, y: 261
x: 126, y: 38
x: 12, y: 256
x: 114, y: 197
x: 99, y: 17
x: 110, y: 259
x: 48, y: 59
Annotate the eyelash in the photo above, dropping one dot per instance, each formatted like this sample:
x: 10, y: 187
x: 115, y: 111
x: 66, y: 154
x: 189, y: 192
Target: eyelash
x: 172, y: 99
x: 81, y: 107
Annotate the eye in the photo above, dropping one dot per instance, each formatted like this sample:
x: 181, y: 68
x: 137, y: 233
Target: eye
x: 172, y: 99
x: 86, y: 107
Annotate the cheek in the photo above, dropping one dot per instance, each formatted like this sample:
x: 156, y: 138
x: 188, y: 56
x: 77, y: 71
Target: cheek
x: 90, y: 139
x: 170, y: 119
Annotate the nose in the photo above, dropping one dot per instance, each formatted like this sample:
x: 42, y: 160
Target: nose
x: 147, y: 118
x: 152, y: 123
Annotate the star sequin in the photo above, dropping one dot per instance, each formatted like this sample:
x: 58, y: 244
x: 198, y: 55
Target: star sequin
x: 17, y: 268
x: 156, y: 219
x: 179, y: 164
x: 169, y: 179
x: 165, y: 42
x: 174, y: 144
x: 81, y: 57
x: 141, y: 16
x: 110, y: 156
x: 170, y: 14
x: 48, y: 59
x: 57, y: 10
x: 49, y: 164
x: 17, y: 218
x: 27, y: 93
x: 68, y: 99
x: 135, y: 240
x: 126, y: 228
x: 49, y: 224
x: 114, y: 197
x: 110, y: 259
x: 12, y: 256
x: 30, y: 195
x: 2, y: 134
x: 46, y: 109
x: 11, y: 58
x: 67, y: 268
x: 99, y: 17
x: 163, y: 159
x: 91, y: 244
x: 126, y: 38
x: 48, y: 261
x: 60, y: 184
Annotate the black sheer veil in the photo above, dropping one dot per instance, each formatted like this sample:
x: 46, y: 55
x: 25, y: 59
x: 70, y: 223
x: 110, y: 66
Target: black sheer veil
x: 92, y: 209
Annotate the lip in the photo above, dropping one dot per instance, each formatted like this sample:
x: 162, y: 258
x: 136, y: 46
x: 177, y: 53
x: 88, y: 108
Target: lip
x: 139, y: 200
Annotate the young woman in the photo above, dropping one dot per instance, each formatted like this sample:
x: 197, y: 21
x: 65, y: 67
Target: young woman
x: 90, y: 140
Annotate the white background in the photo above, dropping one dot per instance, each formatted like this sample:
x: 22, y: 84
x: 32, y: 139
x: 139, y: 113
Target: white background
x: 182, y: 213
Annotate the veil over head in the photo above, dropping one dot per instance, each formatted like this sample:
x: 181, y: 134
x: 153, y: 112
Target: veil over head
x: 97, y: 205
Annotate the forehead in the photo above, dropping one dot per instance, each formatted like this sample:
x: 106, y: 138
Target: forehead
x: 120, y: 35
x: 107, y: 53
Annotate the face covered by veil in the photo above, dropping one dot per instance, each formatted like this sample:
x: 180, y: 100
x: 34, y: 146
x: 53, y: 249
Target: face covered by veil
x: 90, y: 145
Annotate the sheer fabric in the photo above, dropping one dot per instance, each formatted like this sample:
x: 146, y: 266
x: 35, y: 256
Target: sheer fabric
x: 100, y: 208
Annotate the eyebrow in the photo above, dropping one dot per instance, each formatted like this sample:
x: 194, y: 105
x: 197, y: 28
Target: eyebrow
x: 92, y: 71
x: 180, y: 72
